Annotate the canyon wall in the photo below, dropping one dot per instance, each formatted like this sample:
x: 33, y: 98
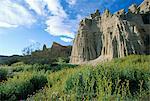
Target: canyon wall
x: 107, y: 36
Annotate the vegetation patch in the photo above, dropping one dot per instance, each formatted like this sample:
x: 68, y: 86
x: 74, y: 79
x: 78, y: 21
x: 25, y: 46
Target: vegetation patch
x: 22, y: 85
x: 3, y: 74
x: 121, y: 79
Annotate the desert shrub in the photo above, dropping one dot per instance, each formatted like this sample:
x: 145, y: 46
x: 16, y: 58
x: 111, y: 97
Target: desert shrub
x: 40, y: 67
x: 91, y: 84
x: 18, y: 68
x: 54, y: 89
x: 35, y: 67
x: 62, y: 60
x: 57, y: 67
x: 124, y: 79
x: 18, y: 64
x: 20, y: 86
x: 9, y: 60
x: 3, y: 73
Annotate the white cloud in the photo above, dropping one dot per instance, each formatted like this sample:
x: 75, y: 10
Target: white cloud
x: 32, y: 41
x: 7, y: 25
x: 66, y: 39
x: 55, y: 8
x: 37, y: 6
x: 58, y: 23
x: 57, y: 20
x: 14, y: 15
x: 58, y: 26
x: 71, y: 2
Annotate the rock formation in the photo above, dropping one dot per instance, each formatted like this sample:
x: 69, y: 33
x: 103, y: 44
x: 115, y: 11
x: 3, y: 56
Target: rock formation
x: 107, y: 36
x: 144, y: 6
x: 58, y: 50
x: 50, y: 55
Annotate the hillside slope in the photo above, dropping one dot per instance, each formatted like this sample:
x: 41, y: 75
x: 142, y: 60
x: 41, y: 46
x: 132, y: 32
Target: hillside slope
x: 121, y: 79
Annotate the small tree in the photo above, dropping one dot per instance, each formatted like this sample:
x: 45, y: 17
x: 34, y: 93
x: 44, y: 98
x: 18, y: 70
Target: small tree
x: 44, y: 47
x: 27, y: 51
x: 33, y: 47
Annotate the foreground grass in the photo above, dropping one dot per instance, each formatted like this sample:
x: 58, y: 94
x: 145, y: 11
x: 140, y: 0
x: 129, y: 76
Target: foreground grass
x: 10, y: 71
x: 21, y: 85
x: 125, y: 79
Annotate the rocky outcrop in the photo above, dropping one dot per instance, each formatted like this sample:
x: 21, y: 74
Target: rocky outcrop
x: 58, y: 50
x: 50, y: 55
x: 107, y: 36
x: 144, y: 6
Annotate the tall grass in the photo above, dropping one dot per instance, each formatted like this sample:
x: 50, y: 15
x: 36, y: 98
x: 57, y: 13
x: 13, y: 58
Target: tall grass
x: 3, y: 74
x: 21, y: 85
x: 125, y: 79
x: 121, y: 79
x: 17, y: 67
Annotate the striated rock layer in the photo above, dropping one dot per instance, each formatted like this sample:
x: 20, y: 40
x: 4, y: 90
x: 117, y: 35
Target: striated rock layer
x: 107, y: 36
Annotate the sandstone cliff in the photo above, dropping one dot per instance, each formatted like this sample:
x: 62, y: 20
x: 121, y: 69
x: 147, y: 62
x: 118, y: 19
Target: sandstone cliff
x: 50, y: 55
x: 58, y: 50
x: 107, y: 36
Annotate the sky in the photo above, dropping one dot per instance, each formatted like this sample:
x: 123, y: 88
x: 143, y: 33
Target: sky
x: 26, y: 22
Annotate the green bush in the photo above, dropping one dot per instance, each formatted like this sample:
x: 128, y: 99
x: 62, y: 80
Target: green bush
x: 124, y: 79
x: 20, y: 86
x: 3, y: 74
x: 120, y: 79
x: 62, y: 66
x: 35, y: 67
x: 39, y: 67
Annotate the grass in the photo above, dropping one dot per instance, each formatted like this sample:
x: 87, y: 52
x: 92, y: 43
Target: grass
x: 3, y: 74
x: 21, y: 85
x: 121, y: 79
x: 125, y: 79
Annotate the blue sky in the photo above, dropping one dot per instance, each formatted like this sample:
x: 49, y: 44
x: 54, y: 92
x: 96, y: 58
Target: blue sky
x: 25, y: 22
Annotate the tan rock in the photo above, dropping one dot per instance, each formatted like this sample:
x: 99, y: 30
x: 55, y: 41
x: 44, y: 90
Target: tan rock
x: 96, y: 14
x: 133, y: 8
x: 87, y: 44
x: 107, y: 36
x: 144, y: 6
x: 120, y: 13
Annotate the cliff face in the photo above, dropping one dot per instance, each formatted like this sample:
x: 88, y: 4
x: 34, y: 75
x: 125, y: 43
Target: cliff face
x: 107, y: 36
x: 145, y: 6
x: 58, y: 50
x: 51, y: 55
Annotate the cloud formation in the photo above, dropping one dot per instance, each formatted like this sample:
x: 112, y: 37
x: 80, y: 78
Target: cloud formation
x: 32, y: 41
x: 57, y: 20
x: 37, y: 6
x: 58, y: 26
x: 71, y: 2
x: 66, y: 39
x: 57, y: 23
x: 14, y: 15
x: 55, y: 8
x: 61, y: 17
